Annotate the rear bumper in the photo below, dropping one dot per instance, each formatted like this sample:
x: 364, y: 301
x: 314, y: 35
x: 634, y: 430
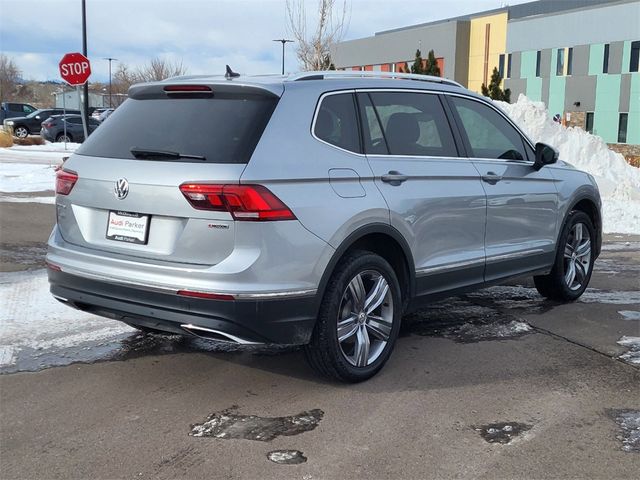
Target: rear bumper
x: 278, y: 320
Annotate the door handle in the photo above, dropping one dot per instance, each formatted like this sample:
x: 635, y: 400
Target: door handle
x: 394, y: 178
x: 492, y: 178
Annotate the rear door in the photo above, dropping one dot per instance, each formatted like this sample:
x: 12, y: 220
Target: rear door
x: 118, y: 186
x: 522, y: 203
x: 434, y: 195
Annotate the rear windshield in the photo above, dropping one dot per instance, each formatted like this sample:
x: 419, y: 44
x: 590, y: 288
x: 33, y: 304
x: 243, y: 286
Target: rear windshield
x: 223, y: 129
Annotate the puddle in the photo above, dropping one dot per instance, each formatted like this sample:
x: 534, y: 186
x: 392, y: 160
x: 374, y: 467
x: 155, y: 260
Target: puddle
x: 230, y: 425
x: 630, y: 314
x: 633, y: 344
x: 122, y: 347
x: 464, y: 322
x: 30, y: 255
x: 503, y: 432
x: 287, y: 457
x: 629, y: 423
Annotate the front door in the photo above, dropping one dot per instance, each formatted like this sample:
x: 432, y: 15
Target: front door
x: 435, y: 196
x: 522, y: 203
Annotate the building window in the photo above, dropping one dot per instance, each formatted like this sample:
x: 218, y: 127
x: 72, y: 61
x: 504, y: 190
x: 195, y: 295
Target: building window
x: 622, y: 128
x: 560, y: 63
x: 509, y: 66
x: 589, y: 122
x: 635, y: 56
x: 605, y: 60
x: 501, y: 65
x: 570, y: 61
x: 538, y: 61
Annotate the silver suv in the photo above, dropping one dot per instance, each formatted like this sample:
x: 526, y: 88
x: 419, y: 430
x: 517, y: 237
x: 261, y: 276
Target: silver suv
x: 314, y: 209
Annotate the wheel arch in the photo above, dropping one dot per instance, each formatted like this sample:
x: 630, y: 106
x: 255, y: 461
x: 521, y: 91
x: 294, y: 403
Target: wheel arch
x: 589, y: 206
x: 385, y: 241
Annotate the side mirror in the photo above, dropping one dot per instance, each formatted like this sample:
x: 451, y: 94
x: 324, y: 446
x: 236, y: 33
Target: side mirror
x: 545, y: 155
x: 37, y: 117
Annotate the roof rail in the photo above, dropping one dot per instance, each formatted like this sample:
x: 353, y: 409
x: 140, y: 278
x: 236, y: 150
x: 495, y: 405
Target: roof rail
x: 321, y: 75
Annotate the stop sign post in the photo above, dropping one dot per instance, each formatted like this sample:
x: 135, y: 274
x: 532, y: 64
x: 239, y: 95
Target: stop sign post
x: 75, y: 69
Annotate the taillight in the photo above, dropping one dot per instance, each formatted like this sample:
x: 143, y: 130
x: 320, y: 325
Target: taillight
x: 187, y: 88
x: 47, y: 124
x: 65, y: 180
x: 244, y: 202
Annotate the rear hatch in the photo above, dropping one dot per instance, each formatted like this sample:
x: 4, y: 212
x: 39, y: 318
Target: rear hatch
x: 127, y: 198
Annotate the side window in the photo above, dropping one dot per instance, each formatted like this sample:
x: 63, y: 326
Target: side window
x: 489, y: 135
x: 74, y: 120
x: 412, y: 124
x: 27, y: 109
x: 336, y: 122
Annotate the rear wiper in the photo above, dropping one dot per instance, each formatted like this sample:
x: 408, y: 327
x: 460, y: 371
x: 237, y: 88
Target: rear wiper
x: 143, y: 153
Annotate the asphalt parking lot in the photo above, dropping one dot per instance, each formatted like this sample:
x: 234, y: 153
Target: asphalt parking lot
x: 494, y: 384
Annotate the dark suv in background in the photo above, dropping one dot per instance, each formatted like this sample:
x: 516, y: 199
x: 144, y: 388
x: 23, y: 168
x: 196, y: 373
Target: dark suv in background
x: 53, y: 128
x: 14, y: 109
x: 30, y: 125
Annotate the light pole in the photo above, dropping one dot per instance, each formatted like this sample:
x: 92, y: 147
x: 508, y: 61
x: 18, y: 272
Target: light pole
x: 85, y: 113
x: 283, y: 41
x: 110, y: 60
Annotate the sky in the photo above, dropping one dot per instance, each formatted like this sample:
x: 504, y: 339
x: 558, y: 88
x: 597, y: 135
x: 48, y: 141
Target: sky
x: 203, y: 34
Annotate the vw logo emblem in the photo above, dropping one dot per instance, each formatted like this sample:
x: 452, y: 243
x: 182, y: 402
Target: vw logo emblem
x: 121, y: 188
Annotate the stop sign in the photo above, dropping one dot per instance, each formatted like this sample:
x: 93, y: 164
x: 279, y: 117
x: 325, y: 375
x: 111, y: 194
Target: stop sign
x: 75, y: 68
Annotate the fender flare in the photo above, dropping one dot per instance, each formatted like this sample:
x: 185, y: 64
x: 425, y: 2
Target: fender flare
x: 352, y: 238
x: 598, y: 227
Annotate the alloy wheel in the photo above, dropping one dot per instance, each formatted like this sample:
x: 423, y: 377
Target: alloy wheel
x: 21, y: 132
x: 577, y: 256
x: 365, y: 318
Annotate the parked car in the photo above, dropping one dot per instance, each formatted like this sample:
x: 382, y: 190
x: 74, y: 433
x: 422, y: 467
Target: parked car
x: 104, y: 115
x: 314, y: 209
x: 97, y: 111
x: 15, y: 109
x: 31, y: 124
x: 53, y: 128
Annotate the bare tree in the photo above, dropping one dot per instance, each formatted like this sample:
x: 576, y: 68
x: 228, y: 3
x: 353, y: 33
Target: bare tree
x: 160, y: 69
x: 9, y: 77
x: 157, y: 69
x: 313, y: 47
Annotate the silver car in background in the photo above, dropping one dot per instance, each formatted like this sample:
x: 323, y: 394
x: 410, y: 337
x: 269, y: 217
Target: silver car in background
x: 314, y: 209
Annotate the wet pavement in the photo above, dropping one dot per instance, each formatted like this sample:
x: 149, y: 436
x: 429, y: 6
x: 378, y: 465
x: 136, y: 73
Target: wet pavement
x: 498, y: 383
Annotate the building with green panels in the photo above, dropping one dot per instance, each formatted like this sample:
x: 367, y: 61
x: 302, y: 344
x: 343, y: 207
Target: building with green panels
x: 582, y: 63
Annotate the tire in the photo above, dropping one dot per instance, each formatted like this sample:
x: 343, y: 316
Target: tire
x: 60, y: 138
x: 574, y: 261
x: 376, y: 324
x: 21, y: 131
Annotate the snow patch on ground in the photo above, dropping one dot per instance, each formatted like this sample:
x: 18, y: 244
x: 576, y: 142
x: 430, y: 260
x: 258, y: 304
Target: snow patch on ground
x: 22, y: 177
x: 49, y: 200
x: 619, y: 182
x: 633, y: 344
x: 48, y: 147
x: 629, y: 423
x: 630, y: 314
x: 31, y: 318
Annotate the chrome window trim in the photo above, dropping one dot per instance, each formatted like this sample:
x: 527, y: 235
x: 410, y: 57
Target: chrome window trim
x: 315, y: 117
x: 421, y: 90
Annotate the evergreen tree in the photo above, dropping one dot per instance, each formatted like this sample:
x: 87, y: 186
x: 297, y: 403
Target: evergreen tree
x: 417, y: 64
x: 494, y: 91
x: 432, y: 65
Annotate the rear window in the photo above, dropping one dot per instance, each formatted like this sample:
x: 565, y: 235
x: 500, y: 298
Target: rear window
x: 223, y: 129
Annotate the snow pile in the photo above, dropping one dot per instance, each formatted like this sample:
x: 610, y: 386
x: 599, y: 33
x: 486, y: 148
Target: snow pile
x: 23, y: 177
x: 619, y: 182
